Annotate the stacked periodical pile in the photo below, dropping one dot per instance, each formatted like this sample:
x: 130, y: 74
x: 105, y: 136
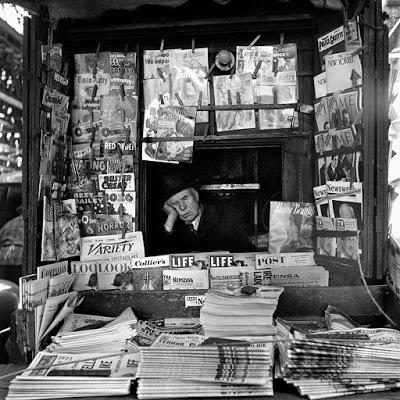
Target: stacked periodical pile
x: 340, y: 363
x: 205, y: 371
x: 233, y: 313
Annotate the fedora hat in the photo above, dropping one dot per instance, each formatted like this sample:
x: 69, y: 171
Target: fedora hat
x: 224, y: 60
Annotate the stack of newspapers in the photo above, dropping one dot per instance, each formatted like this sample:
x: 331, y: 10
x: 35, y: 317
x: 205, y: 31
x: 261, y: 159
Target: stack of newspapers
x: 52, y: 376
x: 339, y: 363
x: 205, y: 370
x: 229, y: 313
x: 112, y: 337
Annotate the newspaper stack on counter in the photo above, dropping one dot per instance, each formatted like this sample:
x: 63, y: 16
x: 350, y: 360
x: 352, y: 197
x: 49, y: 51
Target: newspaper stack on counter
x: 232, y: 313
x: 336, y: 363
x: 192, y: 365
x: 112, y: 337
x: 52, y: 376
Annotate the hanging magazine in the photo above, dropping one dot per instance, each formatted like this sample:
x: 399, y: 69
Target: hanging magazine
x: 237, y: 89
x: 331, y: 43
x: 48, y: 247
x: 168, y: 122
x: 156, y: 64
x: 291, y: 227
x: 259, y: 58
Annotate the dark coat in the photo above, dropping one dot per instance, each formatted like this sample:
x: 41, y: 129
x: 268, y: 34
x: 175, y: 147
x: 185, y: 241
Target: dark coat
x: 219, y: 229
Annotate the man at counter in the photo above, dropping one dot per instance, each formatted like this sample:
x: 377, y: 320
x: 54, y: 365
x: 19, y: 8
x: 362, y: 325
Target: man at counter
x: 192, y: 225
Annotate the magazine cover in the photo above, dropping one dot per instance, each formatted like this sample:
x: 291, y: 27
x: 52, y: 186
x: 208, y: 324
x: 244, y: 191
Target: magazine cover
x: 154, y: 89
x: 84, y: 85
x: 147, y: 278
x: 89, y: 201
x: 278, y: 119
x: 265, y: 261
x: 116, y: 200
x: 322, y: 114
x: 237, y: 89
x: 110, y: 246
x: 344, y: 138
x: 291, y: 226
x: 285, y: 57
x: 193, y: 260
x: 348, y: 247
x: 54, y: 54
x: 330, y: 43
x: 320, y: 192
x: 48, y: 247
x: 116, y: 110
x: 326, y: 246
x: 119, y: 164
x: 255, y: 57
x: 307, y: 276
x: 255, y: 277
x: 51, y: 270
x: 85, y: 114
x: 233, y: 260
x: 343, y: 71
x: 319, y: 143
x: 353, y: 36
x: 156, y: 62
x: 67, y: 233
x: 103, y: 224
x: 114, y: 182
x: 85, y: 275
x: 168, y: 122
x: 55, y: 100
x: 152, y: 262
x: 320, y: 85
x: 347, y: 105
x: 114, y: 275
x: 188, y: 78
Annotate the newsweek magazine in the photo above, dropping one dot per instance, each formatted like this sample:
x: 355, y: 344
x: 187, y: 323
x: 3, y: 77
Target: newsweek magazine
x: 278, y: 118
x: 291, y: 226
x: 114, y: 275
x: 237, y: 89
x: 168, y: 122
x: 343, y: 71
x: 104, y: 224
x: 109, y: 246
x: 330, y: 43
x: 248, y: 59
x: 188, y: 79
x: 154, y: 60
x: 116, y: 200
x: 147, y: 278
x: 85, y: 273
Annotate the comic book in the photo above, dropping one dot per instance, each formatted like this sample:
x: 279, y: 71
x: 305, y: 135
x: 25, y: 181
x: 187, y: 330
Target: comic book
x: 343, y: 71
x: 55, y: 100
x: 291, y: 226
x: 67, y: 233
x: 85, y: 115
x: 119, y: 164
x: 237, y: 89
x: 116, y: 200
x: 90, y: 201
x: 48, y: 246
x: 188, y: 79
x: 156, y: 63
x: 331, y: 43
x: 117, y: 181
x: 168, y: 122
x: 104, y: 224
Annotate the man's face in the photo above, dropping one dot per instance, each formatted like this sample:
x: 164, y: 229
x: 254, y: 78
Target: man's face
x: 186, y: 203
x: 349, y: 247
x: 326, y: 245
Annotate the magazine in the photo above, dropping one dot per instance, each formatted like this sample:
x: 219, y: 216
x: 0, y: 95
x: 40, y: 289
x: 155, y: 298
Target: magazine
x: 183, y: 279
x: 121, y: 203
x: 51, y: 270
x: 156, y: 62
x: 320, y: 85
x: 235, y: 89
x: 85, y: 274
x: 285, y: 57
x: 278, y: 119
x: 259, y: 58
x: 254, y: 277
x: 343, y: 71
x: 115, y: 110
x: 233, y: 259
x: 156, y: 89
x: 223, y: 278
x: 331, y: 43
x: 103, y: 224
x: 193, y: 260
x: 147, y: 278
x: 53, y: 54
x: 123, y: 73
x: 89, y: 201
x: 353, y: 36
x: 188, y: 79
x: 105, y: 247
x: 168, y: 122
x: 86, y: 85
x: 347, y: 105
x: 60, y: 284
x: 114, y: 275
x: 85, y: 63
x: 55, y: 100
x: 306, y: 276
x: 322, y: 114
x: 266, y: 261
x: 48, y: 245
x: 85, y: 115
x: 152, y: 262
x: 291, y: 227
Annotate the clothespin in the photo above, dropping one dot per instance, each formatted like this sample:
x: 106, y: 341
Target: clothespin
x: 122, y: 183
x: 122, y: 109
x: 281, y: 39
x: 210, y: 70
x: 233, y: 71
x: 162, y: 46
x: 200, y: 100
x: 256, y: 69
x: 345, y: 17
x: 50, y: 32
x: 160, y: 74
x: 179, y: 99
x: 193, y: 45
x: 96, y: 60
x: 229, y: 97
x: 254, y: 41
x: 127, y: 132
x: 121, y: 216
x: 126, y: 49
x: 122, y: 91
x: 205, y: 134
x: 238, y: 100
x: 358, y: 51
x: 65, y: 70
x: 161, y: 99
x: 94, y: 93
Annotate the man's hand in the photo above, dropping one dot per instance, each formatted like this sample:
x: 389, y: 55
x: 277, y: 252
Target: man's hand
x: 172, y: 215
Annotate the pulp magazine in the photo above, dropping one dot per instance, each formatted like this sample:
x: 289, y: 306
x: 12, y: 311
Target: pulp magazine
x: 291, y: 226
x: 235, y: 89
x: 168, y: 122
